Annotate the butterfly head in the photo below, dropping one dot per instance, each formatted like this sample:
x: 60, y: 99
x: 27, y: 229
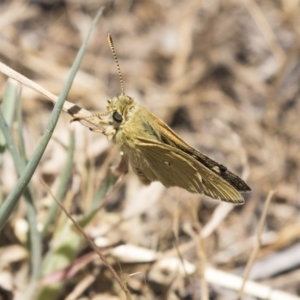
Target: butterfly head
x: 121, y: 109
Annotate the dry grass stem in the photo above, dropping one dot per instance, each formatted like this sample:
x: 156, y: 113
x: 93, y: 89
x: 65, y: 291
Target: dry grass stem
x: 91, y: 243
x: 257, y: 243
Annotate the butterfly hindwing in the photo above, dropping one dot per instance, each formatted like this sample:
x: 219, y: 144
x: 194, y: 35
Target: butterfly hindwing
x: 187, y: 172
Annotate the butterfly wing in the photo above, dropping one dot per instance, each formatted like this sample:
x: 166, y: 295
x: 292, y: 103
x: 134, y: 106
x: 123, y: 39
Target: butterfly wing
x: 168, y: 136
x: 160, y: 160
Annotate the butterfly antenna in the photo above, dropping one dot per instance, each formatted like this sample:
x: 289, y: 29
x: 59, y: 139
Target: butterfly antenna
x: 112, y: 48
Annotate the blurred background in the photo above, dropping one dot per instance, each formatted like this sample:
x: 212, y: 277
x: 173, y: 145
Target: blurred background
x: 225, y: 76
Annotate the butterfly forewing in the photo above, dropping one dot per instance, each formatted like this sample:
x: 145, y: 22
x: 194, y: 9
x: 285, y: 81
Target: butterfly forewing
x: 168, y: 136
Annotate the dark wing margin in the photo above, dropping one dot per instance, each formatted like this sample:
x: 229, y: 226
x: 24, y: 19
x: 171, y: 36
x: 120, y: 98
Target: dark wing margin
x: 234, y: 180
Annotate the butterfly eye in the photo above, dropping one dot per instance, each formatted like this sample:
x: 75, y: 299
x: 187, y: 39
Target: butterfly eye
x: 117, y: 117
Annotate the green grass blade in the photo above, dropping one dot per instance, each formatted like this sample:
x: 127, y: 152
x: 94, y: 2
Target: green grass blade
x: 13, y: 198
x: 63, y: 184
x: 20, y: 126
x: 34, y: 236
x: 65, y: 244
x: 8, y: 109
x: 105, y: 187
x: 10, y: 144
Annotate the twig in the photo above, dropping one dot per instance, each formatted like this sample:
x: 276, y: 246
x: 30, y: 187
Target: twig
x: 69, y: 107
x: 257, y: 245
x: 92, y: 244
x: 265, y: 29
x: 257, y: 290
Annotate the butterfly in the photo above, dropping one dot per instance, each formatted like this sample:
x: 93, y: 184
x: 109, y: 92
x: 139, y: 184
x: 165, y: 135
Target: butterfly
x: 156, y: 153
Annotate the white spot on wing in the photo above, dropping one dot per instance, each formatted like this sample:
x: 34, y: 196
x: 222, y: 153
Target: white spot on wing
x: 166, y: 163
x: 200, y: 178
x: 216, y: 169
